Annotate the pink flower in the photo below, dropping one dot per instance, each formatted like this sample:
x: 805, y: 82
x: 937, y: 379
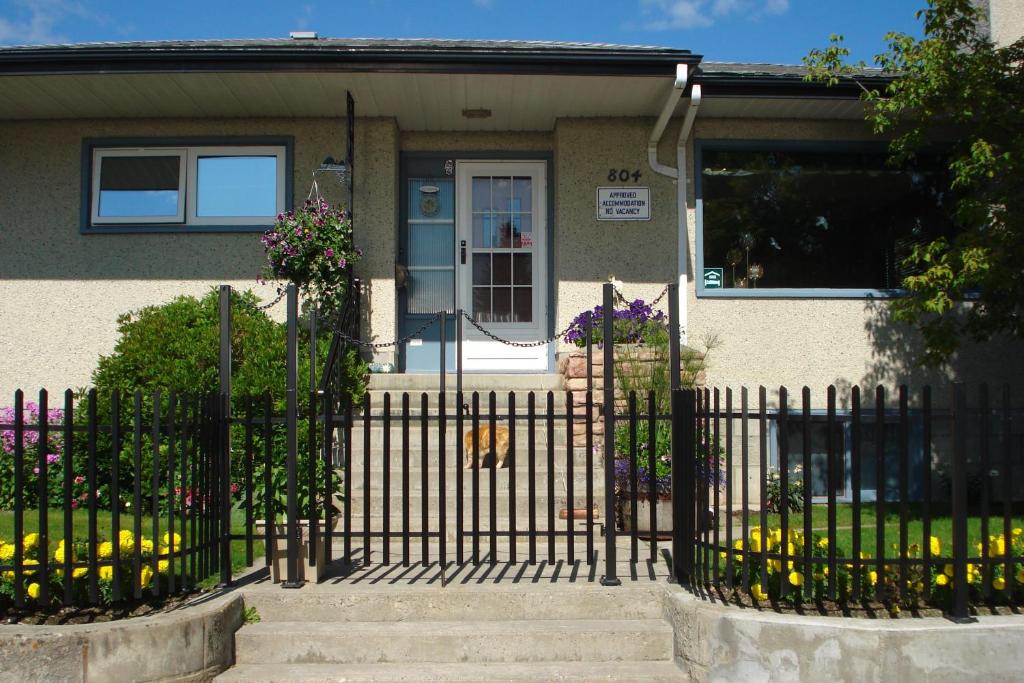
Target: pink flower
x: 74, y: 504
x: 329, y: 253
x: 79, y: 479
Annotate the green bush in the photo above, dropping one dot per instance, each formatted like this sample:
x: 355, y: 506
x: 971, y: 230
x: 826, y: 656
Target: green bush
x: 176, y: 346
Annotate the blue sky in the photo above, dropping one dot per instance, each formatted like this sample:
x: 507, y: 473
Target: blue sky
x: 779, y: 31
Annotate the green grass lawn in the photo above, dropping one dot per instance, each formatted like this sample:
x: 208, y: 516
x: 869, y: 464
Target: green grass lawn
x: 941, y: 526
x: 80, y: 529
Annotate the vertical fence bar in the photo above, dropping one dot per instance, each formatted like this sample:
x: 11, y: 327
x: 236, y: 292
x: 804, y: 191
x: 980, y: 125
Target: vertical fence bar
x: 551, y: 476
x: 475, y: 465
x: 855, y: 484
x: 460, y: 456
x: 442, y: 509
x: 714, y: 476
x: 1007, y: 479
x: 249, y: 483
x: 42, y: 450
x: 154, y: 489
x: 705, y: 501
x: 652, y: 471
x: 728, y: 491
x: 406, y: 493
x: 608, y: 308
x: 984, y: 424
x: 590, y: 353
x: 745, y: 485
x: 784, y: 491
x: 19, y: 495
x: 762, y: 436
x: 832, y: 482
x: 926, y: 487
x: 531, y: 472
x: 366, y: 492
x: 328, y: 458
x: 347, y: 483
x: 224, y: 430
x: 570, y: 502
x: 292, y: 419
x: 492, y: 475
x: 959, y: 476
x: 904, y: 492
x: 683, y: 462
x: 182, y: 490
x: 203, y: 486
x: 634, y: 483
x: 137, y: 498
x: 312, y: 451
x: 425, y: 478
x: 195, y: 448
x: 879, y: 492
x: 805, y: 437
x: 69, y: 530
x: 172, y: 442
x: 269, y: 515
x: 386, y: 478
x: 589, y: 456
x: 513, y: 492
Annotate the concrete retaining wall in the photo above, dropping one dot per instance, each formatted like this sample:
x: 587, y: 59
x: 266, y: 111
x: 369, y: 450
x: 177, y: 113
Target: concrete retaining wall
x: 192, y: 644
x: 714, y: 643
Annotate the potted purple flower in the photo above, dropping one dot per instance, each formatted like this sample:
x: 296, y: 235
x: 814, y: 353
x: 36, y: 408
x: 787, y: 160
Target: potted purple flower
x: 312, y: 247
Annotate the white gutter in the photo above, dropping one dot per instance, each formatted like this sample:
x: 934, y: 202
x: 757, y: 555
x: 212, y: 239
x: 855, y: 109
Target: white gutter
x: 679, y: 173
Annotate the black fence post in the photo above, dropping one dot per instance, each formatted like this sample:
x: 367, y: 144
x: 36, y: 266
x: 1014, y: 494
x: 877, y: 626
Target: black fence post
x: 609, y: 578
x: 684, y: 459
x: 224, y: 430
x: 960, y: 611
x: 675, y: 330
x: 291, y: 391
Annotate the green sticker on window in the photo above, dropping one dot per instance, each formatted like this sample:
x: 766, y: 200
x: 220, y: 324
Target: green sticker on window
x: 713, y: 278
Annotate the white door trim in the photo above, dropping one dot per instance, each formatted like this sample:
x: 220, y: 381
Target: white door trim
x: 479, y: 352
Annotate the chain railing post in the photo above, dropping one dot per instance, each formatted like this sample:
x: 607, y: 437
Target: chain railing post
x: 609, y: 578
x: 292, y: 409
x: 224, y: 432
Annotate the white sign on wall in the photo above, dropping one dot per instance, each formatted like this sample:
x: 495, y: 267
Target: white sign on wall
x: 623, y: 203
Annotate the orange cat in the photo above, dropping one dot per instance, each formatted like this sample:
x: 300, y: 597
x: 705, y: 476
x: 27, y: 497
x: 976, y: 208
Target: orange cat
x: 484, y: 442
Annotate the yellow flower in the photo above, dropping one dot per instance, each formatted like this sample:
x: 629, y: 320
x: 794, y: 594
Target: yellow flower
x: 935, y: 546
x: 33, y: 591
x: 30, y: 562
x: 177, y: 541
x: 755, y: 544
x: 58, y: 554
x: 796, y: 578
x: 106, y: 572
x: 941, y: 580
x: 822, y: 543
x: 1018, y: 531
x: 105, y: 549
x: 997, y: 547
x: 79, y: 572
x: 948, y: 570
x: 126, y: 540
x: 738, y: 545
x: 6, y: 552
x: 8, y: 576
x: 873, y: 577
x: 30, y: 541
x: 1020, y: 576
x: 757, y: 593
x: 162, y: 565
x: 145, y: 576
x: 146, y: 545
x: 999, y: 583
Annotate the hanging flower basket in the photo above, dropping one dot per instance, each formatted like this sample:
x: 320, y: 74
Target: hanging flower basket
x: 312, y: 247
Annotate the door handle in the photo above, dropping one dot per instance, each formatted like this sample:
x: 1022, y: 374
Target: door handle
x: 462, y: 247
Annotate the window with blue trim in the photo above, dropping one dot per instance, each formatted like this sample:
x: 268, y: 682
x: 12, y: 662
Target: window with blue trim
x: 800, y: 217
x: 186, y: 186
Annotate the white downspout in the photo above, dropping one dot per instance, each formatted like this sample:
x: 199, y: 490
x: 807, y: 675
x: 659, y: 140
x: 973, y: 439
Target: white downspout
x: 679, y: 173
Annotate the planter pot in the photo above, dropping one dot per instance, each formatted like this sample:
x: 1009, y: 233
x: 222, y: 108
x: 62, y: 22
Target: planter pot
x: 578, y: 513
x: 663, y: 514
x: 312, y: 566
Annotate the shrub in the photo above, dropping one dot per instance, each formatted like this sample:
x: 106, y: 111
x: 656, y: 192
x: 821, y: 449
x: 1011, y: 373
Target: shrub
x: 794, y: 498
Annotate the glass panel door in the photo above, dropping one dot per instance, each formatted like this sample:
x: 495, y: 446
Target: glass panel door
x: 502, y: 249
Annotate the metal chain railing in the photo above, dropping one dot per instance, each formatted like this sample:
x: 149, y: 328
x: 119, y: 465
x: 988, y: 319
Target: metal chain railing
x: 508, y: 342
x: 381, y: 345
x: 657, y: 300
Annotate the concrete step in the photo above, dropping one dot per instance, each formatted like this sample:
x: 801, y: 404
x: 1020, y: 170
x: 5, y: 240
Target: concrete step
x: 553, y: 640
x: 502, y: 500
x: 503, y: 521
x: 502, y: 479
x: 470, y: 382
x: 564, y: 672
x: 520, y: 458
x: 457, y: 603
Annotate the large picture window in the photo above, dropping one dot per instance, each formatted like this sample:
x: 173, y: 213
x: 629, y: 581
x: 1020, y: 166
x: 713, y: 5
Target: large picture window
x: 182, y: 187
x: 780, y: 219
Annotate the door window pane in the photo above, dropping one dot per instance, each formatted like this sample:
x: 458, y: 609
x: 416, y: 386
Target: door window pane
x: 431, y: 244
x: 139, y: 186
x: 523, y: 231
x: 484, y: 230
x: 430, y: 291
x: 523, y: 269
x: 482, y: 304
x: 236, y: 186
x: 522, y: 304
x: 502, y: 269
x: 501, y: 194
x: 482, y: 194
x: 481, y: 269
x: 501, y: 303
x: 522, y: 194
x: 503, y: 231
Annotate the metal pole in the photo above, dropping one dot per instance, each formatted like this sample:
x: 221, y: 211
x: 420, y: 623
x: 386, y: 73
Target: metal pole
x: 441, y: 418
x: 313, y: 384
x: 444, y: 368
x: 961, y: 613
x: 292, y: 418
x: 674, y: 334
x: 458, y: 358
x: 224, y: 430
x: 609, y: 578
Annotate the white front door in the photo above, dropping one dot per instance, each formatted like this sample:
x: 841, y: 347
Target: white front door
x: 502, y: 262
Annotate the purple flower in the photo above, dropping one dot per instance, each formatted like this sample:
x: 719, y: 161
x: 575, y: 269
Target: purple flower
x: 52, y: 459
x: 328, y: 252
x: 342, y: 263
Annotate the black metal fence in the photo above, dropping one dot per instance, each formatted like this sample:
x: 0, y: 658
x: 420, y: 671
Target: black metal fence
x: 843, y: 506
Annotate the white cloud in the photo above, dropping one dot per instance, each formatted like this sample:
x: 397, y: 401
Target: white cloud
x: 36, y: 21
x: 664, y: 15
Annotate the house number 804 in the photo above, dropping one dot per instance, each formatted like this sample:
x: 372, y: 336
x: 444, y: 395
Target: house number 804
x: 623, y: 175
